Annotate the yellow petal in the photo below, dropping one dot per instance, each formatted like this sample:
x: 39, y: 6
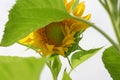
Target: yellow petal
x: 60, y: 50
x: 83, y: 26
x: 87, y: 17
x: 47, y: 49
x: 79, y: 9
x: 65, y: 2
x: 69, y: 5
x: 75, y: 27
x: 69, y: 42
x: 67, y: 38
x: 27, y: 39
x: 50, y: 47
x: 67, y: 30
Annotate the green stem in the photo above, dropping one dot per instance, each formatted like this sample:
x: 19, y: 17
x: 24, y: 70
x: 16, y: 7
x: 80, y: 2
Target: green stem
x: 114, y: 21
x: 54, y: 77
x: 114, y: 24
x: 116, y: 30
x: 99, y: 30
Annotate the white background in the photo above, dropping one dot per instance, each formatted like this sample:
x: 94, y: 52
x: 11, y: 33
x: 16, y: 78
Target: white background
x: 92, y: 69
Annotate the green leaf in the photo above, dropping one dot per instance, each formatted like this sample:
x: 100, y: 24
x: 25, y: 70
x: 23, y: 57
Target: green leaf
x: 81, y: 56
x: 66, y: 76
x: 17, y: 68
x: 111, y: 61
x: 27, y: 16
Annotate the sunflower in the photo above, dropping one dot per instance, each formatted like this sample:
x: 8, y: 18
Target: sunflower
x: 57, y: 37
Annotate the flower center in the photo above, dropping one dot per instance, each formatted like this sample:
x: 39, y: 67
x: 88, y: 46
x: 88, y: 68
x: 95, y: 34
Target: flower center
x: 54, y: 33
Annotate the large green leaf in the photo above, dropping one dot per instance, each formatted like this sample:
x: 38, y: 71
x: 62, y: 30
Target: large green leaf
x: 81, y: 56
x: 27, y: 16
x: 16, y: 68
x: 111, y: 60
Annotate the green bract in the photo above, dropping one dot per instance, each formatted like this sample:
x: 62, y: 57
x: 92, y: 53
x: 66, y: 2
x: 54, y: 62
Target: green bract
x: 81, y: 56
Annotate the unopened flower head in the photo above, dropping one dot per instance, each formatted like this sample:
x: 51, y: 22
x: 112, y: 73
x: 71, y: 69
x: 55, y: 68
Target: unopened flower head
x: 57, y: 37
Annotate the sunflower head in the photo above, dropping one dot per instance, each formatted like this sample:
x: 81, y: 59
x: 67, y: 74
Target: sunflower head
x: 58, y: 37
